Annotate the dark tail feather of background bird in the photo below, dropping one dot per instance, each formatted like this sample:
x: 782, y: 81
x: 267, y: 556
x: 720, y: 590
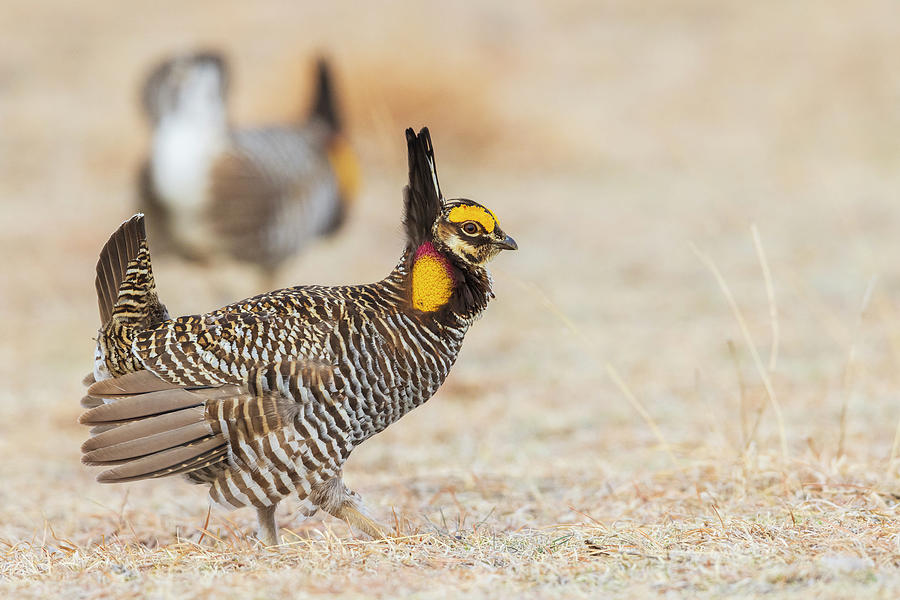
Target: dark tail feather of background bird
x: 324, y: 105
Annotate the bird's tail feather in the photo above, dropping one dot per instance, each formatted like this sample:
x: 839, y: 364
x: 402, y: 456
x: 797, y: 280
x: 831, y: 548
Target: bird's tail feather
x: 146, y: 428
x: 126, y: 290
x: 126, y: 296
x: 324, y: 105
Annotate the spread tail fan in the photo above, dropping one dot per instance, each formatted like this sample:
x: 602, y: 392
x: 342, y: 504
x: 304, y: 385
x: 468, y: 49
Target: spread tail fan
x: 145, y: 428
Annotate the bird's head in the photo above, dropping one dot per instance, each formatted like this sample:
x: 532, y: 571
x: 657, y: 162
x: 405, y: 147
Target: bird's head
x: 462, y: 229
x: 193, y: 85
x: 448, y: 241
x: 470, y: 232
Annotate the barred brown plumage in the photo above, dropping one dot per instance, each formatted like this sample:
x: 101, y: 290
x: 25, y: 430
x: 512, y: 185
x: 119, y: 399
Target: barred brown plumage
x: 257, y: 196
x: 266, y: 398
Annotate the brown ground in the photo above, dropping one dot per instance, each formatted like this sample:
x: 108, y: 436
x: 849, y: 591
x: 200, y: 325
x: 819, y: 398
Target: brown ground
x: 606, y: 428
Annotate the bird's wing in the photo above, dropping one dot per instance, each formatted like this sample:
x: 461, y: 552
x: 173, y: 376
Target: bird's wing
x: 145, y: 427
x: 270, y: 194
x: 222, y: 347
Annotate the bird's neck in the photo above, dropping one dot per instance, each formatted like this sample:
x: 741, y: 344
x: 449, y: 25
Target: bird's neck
x: 440, y: 286
x: 432, y: 280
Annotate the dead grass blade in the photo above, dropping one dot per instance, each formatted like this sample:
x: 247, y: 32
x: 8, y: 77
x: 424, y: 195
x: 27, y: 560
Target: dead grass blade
x: 848, y: 380
x: 614, y: 375
x: 748, y: 339
x: 636, y: 405
x: 770, y: 294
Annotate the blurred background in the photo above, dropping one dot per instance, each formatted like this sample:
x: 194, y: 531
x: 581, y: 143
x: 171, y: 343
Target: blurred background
x: 607, y: 136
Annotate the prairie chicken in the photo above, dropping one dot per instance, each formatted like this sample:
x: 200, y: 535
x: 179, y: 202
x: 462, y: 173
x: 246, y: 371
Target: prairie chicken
x: 256, y: 196
x: 266, y: 398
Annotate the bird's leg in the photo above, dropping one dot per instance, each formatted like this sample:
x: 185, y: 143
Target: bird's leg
x: 350, y: 513
x: 268, y: 530
x: 333, y: 497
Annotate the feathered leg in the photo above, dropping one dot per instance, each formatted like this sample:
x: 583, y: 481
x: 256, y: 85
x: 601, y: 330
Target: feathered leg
x: 350, y: 513
x: 334, y: 498
x: 268, y: 530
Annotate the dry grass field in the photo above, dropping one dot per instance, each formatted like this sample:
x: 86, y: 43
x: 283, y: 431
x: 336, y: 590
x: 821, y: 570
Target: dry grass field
x: 663, y: 400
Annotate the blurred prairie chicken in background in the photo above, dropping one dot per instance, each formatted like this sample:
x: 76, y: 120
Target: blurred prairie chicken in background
x: 267, y: 398
x: 256, y: 195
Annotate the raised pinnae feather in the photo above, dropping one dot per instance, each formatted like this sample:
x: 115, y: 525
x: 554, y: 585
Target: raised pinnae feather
x: 422, y: 196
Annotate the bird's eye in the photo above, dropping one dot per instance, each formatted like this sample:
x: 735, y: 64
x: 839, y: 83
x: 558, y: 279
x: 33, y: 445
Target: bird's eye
x: 470, y: 227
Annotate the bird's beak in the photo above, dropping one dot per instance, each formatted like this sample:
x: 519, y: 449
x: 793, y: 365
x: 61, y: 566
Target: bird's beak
x: 507, y: 244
